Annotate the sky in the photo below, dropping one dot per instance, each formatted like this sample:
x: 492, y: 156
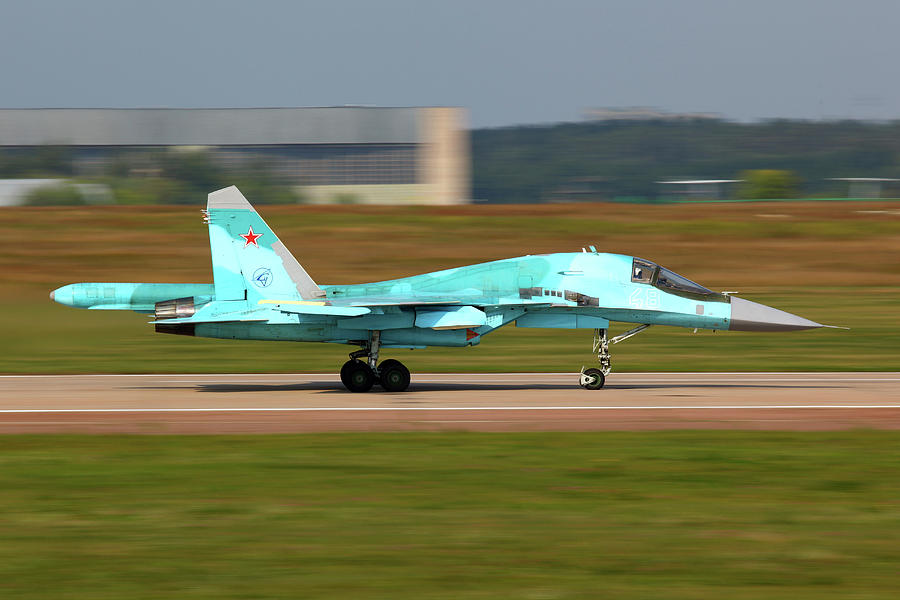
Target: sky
x: 507, y: 61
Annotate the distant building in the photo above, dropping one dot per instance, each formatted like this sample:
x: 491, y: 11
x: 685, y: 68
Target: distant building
x: 697, y: 189
x: 867, y: 187
x: 643, y: 113
x: 336, y: 154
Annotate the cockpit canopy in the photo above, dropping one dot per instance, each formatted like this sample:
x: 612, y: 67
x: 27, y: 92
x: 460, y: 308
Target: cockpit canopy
x: 644, y: 271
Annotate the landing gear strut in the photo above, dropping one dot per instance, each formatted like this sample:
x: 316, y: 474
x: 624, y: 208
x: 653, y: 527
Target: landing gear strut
x: 360, y: 376
x: 594, y: 378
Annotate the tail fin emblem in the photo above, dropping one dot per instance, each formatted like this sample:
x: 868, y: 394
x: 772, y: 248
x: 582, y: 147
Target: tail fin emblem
x: 262, y: 277
x: 250, y: 237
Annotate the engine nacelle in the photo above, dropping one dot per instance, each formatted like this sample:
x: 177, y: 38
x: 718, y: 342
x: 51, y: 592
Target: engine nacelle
x: 179, y: 308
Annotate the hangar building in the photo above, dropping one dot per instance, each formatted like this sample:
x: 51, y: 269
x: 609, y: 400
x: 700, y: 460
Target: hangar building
x: 364, y: 154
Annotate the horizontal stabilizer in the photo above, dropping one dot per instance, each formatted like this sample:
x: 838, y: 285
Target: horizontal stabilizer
x: 219, y: 319
x: 137, y: 307
x: 217, y: 313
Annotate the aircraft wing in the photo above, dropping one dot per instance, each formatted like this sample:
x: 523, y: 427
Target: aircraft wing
x: 359, y: 305
x: 398, y: 300
x: 428, y: 300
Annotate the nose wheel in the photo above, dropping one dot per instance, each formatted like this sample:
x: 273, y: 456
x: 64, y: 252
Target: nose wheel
x: 594, y: 378
x: 359, y: 376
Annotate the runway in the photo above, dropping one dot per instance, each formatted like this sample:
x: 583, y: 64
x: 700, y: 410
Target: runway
x: 438, y: 402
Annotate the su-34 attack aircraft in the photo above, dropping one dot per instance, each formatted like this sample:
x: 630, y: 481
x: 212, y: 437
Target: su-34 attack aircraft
x: 261, y: 292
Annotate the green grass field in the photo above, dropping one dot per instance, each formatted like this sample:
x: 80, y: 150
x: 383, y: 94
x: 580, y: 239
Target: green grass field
x: 675, y: 515
x: 835, y: 263
x: 615, y: 515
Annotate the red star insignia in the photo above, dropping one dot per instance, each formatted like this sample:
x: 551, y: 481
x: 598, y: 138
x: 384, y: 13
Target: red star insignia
x: 250, y: 237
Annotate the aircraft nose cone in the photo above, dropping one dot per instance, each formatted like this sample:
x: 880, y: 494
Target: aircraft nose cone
x: 63, y: 295
x: 751, y: 316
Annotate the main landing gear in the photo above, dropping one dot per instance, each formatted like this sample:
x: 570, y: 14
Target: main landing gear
x: 359, y: 376
x: 594, y: 378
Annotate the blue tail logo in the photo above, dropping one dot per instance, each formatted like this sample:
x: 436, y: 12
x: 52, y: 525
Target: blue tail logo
x: 262, y: 277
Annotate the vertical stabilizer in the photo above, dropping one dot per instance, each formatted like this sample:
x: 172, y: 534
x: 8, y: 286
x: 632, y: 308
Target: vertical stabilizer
x: 248, y: 259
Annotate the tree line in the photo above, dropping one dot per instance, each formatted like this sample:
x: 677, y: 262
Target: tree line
x: 142, y: 176
x: 621, y: 160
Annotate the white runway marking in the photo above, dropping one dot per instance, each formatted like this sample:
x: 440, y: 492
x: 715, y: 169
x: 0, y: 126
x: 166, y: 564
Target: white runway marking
x: 298, y: 402
x: 806, y: 377
x: 435, y: 408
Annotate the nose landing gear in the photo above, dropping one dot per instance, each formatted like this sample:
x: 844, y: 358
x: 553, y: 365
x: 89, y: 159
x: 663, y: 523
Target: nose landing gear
x: 594, y: 378
x: 360, y: 376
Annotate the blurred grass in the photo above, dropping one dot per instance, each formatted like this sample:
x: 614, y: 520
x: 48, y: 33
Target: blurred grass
x: 447, y: 515
x: 836, y: 263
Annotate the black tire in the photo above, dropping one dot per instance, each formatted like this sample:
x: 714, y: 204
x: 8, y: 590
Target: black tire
x: 393, y: 375
x: 345, y: 371
x: 592, y: 379
x: 360, y: 377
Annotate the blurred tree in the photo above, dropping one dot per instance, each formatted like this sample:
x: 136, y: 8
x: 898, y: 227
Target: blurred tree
x: 261, y: 190
x: 531, y: 163
x: 196, y: 173
x: 54, y: 195
x: 345, y: 198
x: 149, y: 190
x: 768, y: 184
x: 259, y: 185
x: 36, y: 162
x: 119, y: 167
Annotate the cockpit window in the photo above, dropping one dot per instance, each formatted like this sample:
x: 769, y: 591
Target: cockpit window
x: 642, y: 270
x: 667, y: 280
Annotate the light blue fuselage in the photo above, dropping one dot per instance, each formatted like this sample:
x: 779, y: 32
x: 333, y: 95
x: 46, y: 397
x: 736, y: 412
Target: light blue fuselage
x: 583, y: 290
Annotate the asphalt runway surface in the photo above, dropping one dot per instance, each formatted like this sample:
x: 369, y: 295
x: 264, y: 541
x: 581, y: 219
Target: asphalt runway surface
x: 283, y: 403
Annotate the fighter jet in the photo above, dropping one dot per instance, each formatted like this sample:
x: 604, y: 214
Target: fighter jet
x: 261, y: 292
